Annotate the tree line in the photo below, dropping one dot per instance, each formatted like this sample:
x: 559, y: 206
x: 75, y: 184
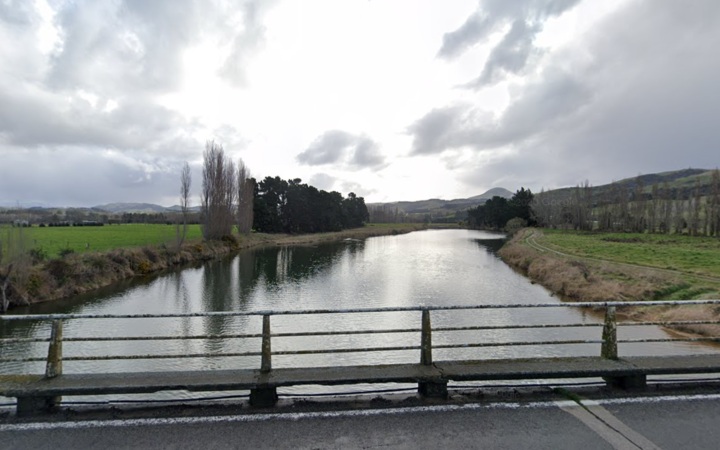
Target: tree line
x: 291, y: 206
x: 498, y: 211
x: 231, y: 197
x: 620, y: 208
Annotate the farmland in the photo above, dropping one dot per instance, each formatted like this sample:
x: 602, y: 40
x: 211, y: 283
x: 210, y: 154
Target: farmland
x: 689, y: 254
x: 53, y: 240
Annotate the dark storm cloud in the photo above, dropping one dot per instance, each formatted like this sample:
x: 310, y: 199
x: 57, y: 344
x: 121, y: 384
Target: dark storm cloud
x: 341, y: 147
x: 327, y: 148
x: 524, y: 18
x: 542, y: 105
x: 510, y: 55
x: 80, y: 177
x: 645, y: 101
x: 30, y: 120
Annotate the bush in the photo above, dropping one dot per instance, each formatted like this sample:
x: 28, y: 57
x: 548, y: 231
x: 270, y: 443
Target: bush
x: 231, y: 241
x: 66, y: 252
x: 60, y: 270
x: 514, y: 225
x: 38, y: 255
x: 144, y: 267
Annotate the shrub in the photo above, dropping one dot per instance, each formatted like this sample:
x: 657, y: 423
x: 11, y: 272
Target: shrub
x: 34, y: 284
x: 144, y: 267
x: 38, y: 255
x: 231, y: 241
x: 59, y: 269
x: 66, y: 252
x: 150, y: 253
x: 514, y: 225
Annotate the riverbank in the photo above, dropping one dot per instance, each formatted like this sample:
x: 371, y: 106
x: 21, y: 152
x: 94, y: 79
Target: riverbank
x: 579, y: 278
x: 75, y: 274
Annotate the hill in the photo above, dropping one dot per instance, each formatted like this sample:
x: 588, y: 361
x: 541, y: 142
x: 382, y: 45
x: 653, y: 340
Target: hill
x: 679, y: 179
x: 119, y: 208
x: 441, y: 208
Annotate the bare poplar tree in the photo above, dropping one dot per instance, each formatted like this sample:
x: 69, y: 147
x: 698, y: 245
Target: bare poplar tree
x: 185, y: 183
x: 638, y: 206
x: 219, y: 193
x: 679, y: 211
x: 654, y: 207
x: 246, y: 195
x: 714, y: 205
x: 667, y: 209
x: 695, y: 204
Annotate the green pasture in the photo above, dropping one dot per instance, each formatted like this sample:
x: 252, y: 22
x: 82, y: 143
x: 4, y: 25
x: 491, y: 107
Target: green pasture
x: 695, y: 254
x: 98, y: 239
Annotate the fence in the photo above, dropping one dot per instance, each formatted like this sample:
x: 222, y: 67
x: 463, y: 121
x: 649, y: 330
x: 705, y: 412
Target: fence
x: 607, y: 340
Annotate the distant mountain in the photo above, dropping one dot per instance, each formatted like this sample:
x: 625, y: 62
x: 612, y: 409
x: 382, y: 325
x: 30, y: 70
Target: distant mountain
x: 441, y: 208
x: 119, y: 208
x: 147, y: 208
x: 499, y: 192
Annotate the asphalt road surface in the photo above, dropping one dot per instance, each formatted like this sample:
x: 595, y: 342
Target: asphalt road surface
x: 689, y: 421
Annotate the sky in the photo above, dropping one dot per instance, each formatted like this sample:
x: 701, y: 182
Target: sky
x: 103, y: 101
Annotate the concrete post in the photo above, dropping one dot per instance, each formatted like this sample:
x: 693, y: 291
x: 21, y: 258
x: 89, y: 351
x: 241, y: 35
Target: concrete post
x: 37, y: 404
x: 426, y: 339
x: 266, y: 363
x: 609, y: 347
x: 53, y: 367
x: 434, y: 389
x: 264, y: 395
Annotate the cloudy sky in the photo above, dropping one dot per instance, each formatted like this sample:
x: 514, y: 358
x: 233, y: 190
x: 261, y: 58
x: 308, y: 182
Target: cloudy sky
x: 102, y: 101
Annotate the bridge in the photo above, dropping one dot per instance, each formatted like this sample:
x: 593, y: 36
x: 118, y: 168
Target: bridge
x: 43, y: 392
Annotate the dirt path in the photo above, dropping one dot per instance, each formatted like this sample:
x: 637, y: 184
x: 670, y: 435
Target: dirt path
x: 534, y: 244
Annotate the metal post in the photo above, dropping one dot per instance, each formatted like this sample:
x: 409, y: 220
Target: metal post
x: 609, y: 348
x: 266, y: 363
x: 426, y: 339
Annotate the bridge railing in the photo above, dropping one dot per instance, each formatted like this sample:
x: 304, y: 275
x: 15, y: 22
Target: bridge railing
x: 608, y: 339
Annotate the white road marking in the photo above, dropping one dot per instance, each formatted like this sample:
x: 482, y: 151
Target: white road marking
x: 36, y: 426
x: 615, y: 423
x: 611, y: 436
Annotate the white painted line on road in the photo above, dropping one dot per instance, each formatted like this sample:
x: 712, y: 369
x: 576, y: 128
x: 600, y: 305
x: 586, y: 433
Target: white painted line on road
x: 613, y: 422
x: 36, y: 426
x: 610, y: 435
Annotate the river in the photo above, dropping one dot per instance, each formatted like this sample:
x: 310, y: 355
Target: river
x: 432, y: 267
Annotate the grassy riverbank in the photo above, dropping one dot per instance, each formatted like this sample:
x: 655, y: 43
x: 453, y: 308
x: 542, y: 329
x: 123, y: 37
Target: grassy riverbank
x: 85, y: 270
x: 613, y: 266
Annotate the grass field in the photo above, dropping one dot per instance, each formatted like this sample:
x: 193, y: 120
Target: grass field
x: 98, y: 239
x: 693, y: 254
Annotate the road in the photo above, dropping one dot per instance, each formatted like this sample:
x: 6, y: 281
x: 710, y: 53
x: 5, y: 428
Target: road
x: 689, y: 421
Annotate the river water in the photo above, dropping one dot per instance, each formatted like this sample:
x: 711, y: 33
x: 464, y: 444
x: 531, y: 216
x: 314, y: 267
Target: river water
x: 431, y: 268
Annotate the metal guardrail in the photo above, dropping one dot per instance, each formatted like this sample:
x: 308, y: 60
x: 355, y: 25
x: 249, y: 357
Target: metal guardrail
x: 609, y: 341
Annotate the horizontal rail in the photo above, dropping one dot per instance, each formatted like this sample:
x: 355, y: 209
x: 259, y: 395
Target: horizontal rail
x: 521, y: 343
x: 307, y: 334
x: 640, y: 341
x: 666, y: 323
x: 356, y: 310
x: 309, y: 352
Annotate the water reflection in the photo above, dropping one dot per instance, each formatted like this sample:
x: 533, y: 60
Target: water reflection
x: 439, y: 267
